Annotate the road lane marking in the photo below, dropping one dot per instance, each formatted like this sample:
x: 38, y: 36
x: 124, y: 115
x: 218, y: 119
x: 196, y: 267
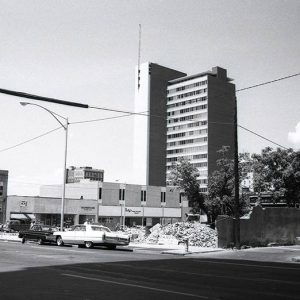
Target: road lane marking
x: 72, y: 250
x: 247, y: 265
x: 199, y: 274
x: 136, y: 286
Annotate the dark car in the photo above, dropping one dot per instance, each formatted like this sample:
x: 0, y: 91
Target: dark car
x: 40, y: 233
x: 15, y: 225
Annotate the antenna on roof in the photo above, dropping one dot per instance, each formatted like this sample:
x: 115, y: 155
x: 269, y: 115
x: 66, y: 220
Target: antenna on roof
x: 139, y: 53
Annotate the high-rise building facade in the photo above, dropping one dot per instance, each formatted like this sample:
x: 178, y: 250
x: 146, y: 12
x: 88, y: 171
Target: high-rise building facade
x: 189, y: 116
x: 150, y: 132
x: 200, y: 111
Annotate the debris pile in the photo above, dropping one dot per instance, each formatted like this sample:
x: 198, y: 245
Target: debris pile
x: 198, y: 234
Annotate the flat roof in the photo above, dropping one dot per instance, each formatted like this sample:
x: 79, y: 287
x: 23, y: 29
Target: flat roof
x: 186, y: 78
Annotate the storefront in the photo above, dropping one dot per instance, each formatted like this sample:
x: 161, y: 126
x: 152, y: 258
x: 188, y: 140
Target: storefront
x: 114, y: 205
x: 47, y: 211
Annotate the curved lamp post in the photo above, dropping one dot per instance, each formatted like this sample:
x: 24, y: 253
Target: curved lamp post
x: 65, y: 127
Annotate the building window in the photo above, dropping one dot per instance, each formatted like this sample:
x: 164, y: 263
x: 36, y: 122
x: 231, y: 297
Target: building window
x: 180, y: 197
x: 121, y: 194
x: 143, y: 196
x: 163, y: 197
x: 100, y: 193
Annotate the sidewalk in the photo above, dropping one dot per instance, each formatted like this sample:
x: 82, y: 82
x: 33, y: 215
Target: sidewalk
x: 4, y: 236
x: 176, y: 249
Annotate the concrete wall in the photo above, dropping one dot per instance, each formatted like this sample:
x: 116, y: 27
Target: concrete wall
x: 265, y: 225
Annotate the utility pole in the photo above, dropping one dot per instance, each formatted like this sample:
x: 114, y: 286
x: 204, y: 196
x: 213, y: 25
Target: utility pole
x: 236, y: 182
x: 139, y: 54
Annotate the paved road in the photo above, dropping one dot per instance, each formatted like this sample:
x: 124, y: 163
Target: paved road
x: 48, y: 272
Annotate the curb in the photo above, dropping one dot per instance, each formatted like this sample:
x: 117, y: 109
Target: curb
x: 14, y: 241
x: 188, y: 253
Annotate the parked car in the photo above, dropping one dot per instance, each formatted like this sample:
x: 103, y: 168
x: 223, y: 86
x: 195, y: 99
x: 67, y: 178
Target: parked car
x: 91, y: 235
x: 15, y: 225
x: 40, y: 233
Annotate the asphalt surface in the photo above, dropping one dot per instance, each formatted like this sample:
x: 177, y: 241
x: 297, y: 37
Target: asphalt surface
x: 43, y: 272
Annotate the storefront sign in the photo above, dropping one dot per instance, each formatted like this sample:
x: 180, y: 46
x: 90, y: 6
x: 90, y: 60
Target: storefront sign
x: 157, y: 212
x: 133, y: 211
x: 88, y: 208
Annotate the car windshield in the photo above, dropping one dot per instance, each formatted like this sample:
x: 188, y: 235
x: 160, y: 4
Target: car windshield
x: 46, y: 228
x: 100, y: 228
x: 79, y: 228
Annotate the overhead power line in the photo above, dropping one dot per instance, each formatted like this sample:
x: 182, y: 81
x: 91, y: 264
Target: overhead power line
x: 267, y: 82
x: 259, y: 135
x: 127, y: 113
x: 30, y: 140
x: 117, y: 117
x: 82, y: 105
x: 101, y: 119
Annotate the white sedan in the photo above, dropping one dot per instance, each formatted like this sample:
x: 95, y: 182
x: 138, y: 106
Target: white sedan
x: 91, y: 235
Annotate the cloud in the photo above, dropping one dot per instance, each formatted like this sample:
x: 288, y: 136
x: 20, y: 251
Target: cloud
x: 294, y: 137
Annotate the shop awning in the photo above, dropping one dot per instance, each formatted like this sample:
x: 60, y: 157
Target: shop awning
x: 30, y: 216
x: 18, y: 216
x: 22, y: 216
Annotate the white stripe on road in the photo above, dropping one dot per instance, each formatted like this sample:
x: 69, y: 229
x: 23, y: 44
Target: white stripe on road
x: 205, y: 275
x: 137, y: 286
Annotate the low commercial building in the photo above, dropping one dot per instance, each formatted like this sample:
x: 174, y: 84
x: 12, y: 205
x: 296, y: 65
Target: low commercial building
x: 112, y: 204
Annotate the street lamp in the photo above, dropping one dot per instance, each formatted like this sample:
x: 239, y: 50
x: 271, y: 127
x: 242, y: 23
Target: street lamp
x: 65, y: 127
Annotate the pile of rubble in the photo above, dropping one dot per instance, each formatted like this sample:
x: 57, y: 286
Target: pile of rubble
x: 197, y: 234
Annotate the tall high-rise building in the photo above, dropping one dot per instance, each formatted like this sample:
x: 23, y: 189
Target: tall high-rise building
x: 149, y: 161
x: 200, y: 112
x: 189, y: 116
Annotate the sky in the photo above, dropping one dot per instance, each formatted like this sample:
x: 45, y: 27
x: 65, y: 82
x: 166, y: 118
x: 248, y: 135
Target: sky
x: 86, y: 51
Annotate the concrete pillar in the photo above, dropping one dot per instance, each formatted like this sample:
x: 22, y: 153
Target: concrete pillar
x: 76, y: 219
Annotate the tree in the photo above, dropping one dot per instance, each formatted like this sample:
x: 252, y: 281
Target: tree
x: 278, y: 172
x: 220, y: 198
x: 184, y: 175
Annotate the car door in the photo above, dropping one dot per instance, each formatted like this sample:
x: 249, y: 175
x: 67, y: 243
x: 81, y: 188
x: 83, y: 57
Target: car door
x: 80, y: 234
x: 34, y: 232
x: 70, y: 235
x: 95, y: 235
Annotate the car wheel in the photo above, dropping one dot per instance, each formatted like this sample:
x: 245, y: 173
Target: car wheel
x: 59, y: 241
x: 111, y: 247
x: 23, y: 240
x: 40, y: 241
x: 88, y: 245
